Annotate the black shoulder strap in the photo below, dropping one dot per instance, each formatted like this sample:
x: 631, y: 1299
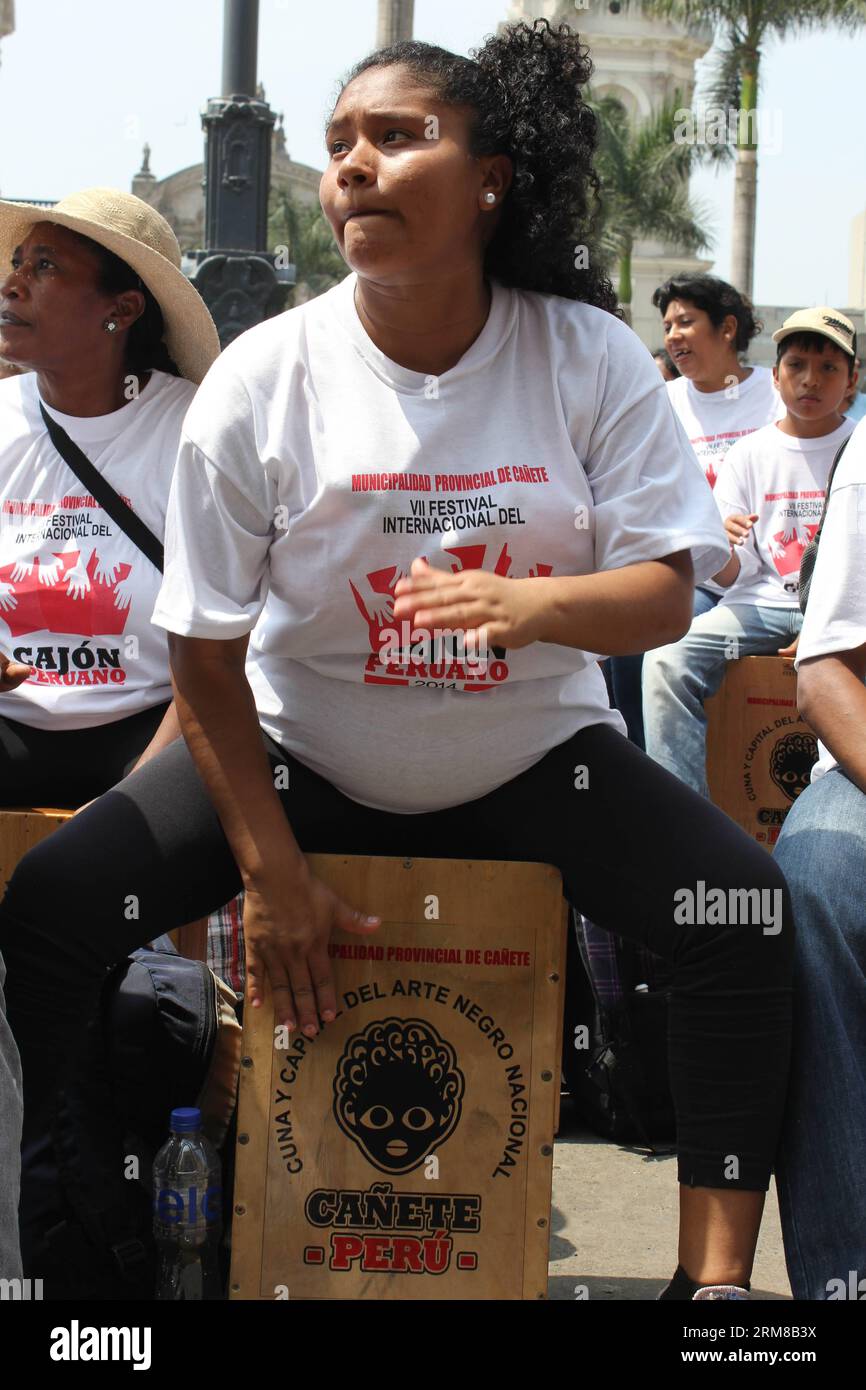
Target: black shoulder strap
x: 830, y: 476
x: 110, y: 501
x: 810, y: 554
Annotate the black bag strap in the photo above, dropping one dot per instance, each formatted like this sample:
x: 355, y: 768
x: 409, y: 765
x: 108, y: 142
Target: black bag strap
x: 99, y: 488
x: 810, y: 554
x: 831, y: 475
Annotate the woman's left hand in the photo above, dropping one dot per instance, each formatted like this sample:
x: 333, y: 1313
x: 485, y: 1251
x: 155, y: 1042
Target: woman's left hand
x: 503, y: 612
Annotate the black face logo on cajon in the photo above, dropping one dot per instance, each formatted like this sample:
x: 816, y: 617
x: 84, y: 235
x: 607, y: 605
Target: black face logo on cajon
x: 398, y: 1092
x: 791, y: 763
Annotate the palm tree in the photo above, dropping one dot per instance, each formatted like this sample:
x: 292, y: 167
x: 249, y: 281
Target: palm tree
x: 742, y: 29
x: 303, y: 230
x: 644, y: 187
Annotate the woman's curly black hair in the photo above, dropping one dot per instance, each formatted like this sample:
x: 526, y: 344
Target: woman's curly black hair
x: 524, y: 88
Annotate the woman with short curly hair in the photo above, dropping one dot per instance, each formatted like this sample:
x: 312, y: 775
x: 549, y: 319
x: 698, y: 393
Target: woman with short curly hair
x: 425, y: 502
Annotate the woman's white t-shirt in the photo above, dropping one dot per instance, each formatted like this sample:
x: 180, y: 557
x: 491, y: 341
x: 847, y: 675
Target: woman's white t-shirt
x: 312, y: 472
x: 835, y: 618
x: 781, y: 479
x: 76, y: 594
x: 715, y: 420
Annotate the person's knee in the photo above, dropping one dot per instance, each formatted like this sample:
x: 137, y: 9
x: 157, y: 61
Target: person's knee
x: 743, y: 921
x: 683, y: 669
x: 663, y: 668
x: 767, y: 916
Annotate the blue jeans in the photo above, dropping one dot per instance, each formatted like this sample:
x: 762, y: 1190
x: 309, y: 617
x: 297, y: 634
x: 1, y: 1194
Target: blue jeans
x: 705, y: 601
x: 677, y: 679
x: 10, y: 1141
x: 821, y: 1165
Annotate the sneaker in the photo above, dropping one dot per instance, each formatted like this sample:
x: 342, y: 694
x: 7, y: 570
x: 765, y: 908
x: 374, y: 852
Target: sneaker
x: 717, y: 1291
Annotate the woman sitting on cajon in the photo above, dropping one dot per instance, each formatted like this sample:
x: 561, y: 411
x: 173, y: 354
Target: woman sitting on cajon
x: 461, y: 435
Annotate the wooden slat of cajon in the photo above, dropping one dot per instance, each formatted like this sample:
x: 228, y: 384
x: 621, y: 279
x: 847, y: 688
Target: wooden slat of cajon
x: 288, y: 1106
x: 21, y: 829
x: 757, y: 745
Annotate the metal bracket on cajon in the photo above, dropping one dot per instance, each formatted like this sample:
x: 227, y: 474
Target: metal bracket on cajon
x: 407, y: 1151
x: 760, y: 752
x: 21, y: 829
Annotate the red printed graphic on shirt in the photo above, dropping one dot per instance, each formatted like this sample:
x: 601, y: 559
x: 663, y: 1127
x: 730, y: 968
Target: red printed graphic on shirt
x: 712, y: 449
x: 68, y: 596
x: 401, y: 654
x: 787, y: 546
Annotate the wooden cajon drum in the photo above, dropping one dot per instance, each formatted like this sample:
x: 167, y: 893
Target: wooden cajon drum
x: 407, y: 1151
x: 760, y: 753
x: 20, y: 830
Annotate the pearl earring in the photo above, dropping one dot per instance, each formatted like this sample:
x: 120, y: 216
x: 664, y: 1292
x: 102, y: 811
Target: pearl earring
x: 490, y: 197
x: 110, y: 326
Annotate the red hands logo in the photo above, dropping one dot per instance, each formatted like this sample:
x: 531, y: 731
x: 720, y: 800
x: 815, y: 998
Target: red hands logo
x: 77, y: 600
x: 786, y: 548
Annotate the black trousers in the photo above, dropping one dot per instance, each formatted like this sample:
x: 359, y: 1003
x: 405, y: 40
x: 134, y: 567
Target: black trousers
x: 66, y: 767
x: 627, y: 844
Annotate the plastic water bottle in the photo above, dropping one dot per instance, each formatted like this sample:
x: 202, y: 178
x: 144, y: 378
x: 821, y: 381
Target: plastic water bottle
x: 187, y: 1212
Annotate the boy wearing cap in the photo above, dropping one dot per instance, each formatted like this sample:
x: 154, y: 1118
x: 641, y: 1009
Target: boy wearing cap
x: 771, y: 495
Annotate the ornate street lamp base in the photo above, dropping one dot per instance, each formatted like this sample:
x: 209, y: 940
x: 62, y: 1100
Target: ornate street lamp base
x: 240, y: 288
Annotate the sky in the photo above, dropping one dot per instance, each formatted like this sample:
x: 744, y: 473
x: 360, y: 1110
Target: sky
x: 83, y: 84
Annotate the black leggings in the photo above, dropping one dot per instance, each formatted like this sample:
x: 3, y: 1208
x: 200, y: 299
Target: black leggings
x: 624, y: 845
x: 66, y: 767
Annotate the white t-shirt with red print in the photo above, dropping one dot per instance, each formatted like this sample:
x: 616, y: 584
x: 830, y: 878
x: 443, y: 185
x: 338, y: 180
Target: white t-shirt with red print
x: 835, y: 620
x: 715, y: 420
x: 313, y: 470
x: 782, y: 480
x: 76, y: 594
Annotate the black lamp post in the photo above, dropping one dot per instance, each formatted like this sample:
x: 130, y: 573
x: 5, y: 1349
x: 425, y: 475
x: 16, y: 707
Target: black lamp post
x: 235, y: 273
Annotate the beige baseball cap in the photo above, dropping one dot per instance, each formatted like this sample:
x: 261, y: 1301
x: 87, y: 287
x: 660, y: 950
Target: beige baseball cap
x: 824, y: 320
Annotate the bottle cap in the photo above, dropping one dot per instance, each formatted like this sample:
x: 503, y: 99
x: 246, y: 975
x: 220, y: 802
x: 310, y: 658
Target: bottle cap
x: 184, y: 1120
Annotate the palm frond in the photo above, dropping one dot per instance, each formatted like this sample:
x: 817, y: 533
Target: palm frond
x: 722, y: 80
x: 644, y: 173
x: 752, y: 21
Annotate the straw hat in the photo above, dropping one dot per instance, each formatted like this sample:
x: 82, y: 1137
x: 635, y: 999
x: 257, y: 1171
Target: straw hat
x: 141, y: 237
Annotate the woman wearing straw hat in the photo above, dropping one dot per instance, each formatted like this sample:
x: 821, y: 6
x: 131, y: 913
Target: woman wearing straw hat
x: 109, y: 340
x: 465, y: 396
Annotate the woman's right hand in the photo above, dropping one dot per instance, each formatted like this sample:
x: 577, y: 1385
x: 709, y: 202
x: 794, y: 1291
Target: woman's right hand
x: 287, y: 927
x: 12, y: 673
